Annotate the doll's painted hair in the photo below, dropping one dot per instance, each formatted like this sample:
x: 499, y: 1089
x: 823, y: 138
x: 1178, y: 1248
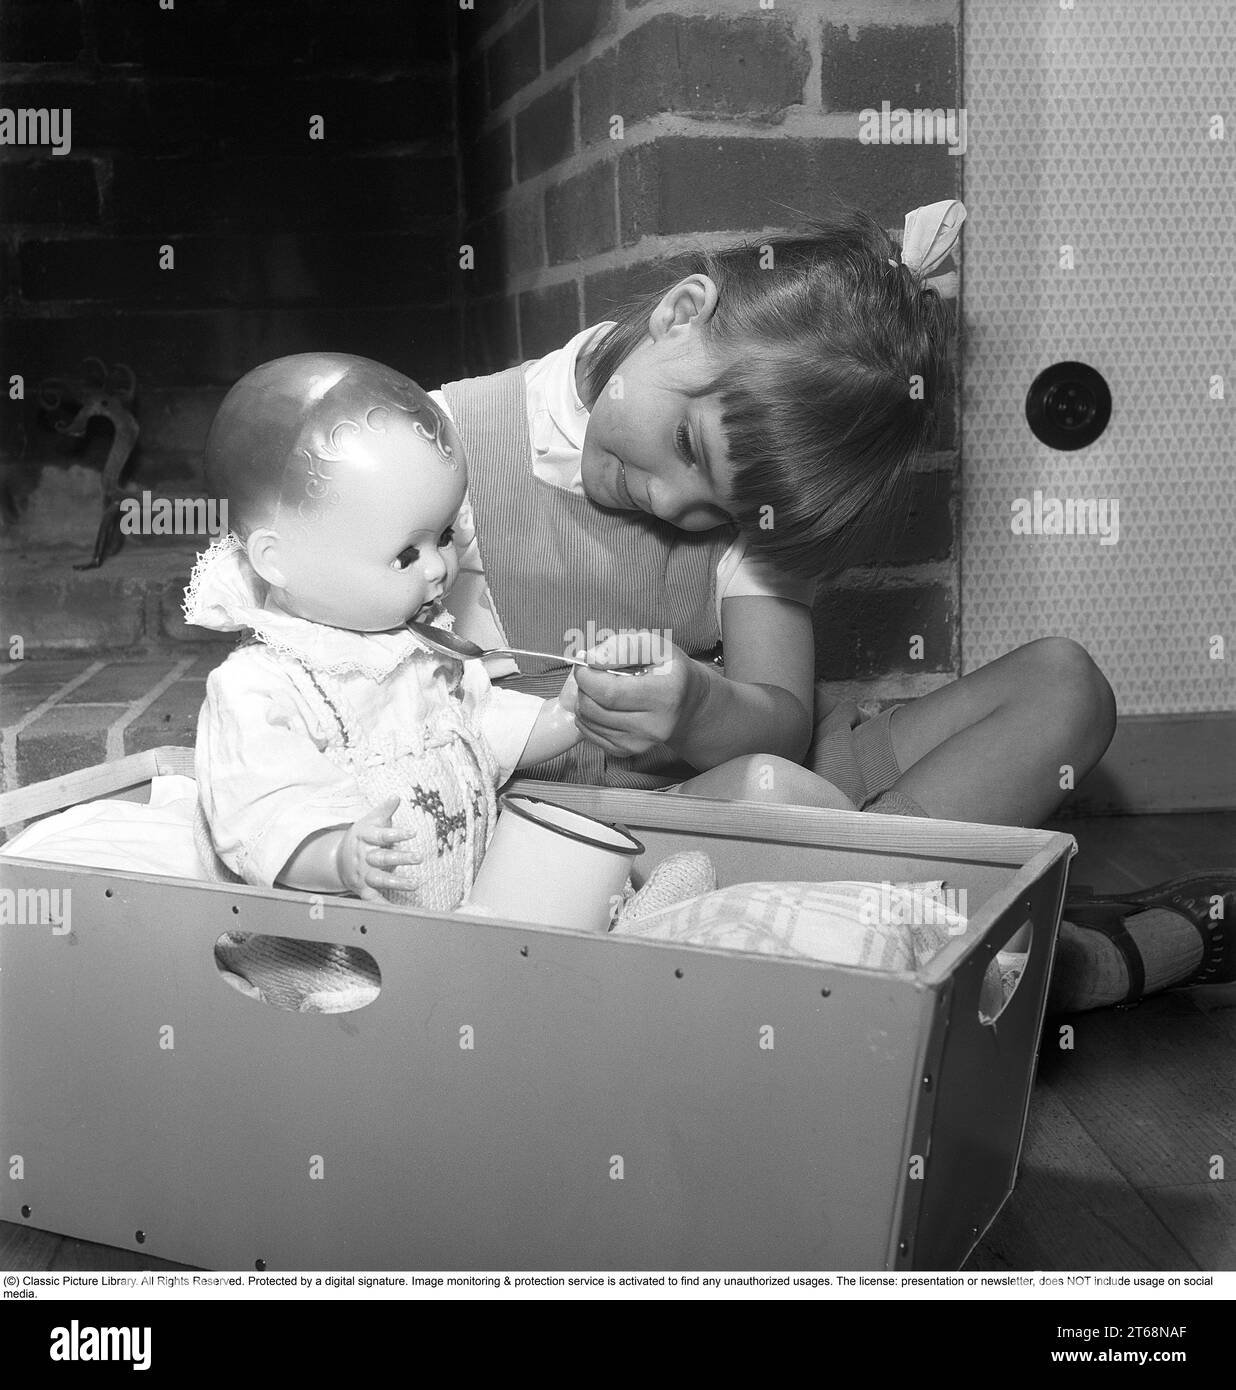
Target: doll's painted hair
x: 282, y: 429
x: 819, y: 339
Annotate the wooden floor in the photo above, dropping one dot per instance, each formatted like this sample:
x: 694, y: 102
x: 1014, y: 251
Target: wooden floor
x: 1124, y: 1128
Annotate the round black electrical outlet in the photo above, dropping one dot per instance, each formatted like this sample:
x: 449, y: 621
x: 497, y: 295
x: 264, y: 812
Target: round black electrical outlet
x: 1068, y: 405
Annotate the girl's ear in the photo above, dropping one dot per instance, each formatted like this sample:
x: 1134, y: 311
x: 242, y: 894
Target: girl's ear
x: 262, y: 548
x: 691, y: 301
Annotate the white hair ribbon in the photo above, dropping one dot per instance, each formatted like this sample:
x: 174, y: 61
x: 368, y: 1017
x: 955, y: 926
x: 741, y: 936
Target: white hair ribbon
x: 930, y: 234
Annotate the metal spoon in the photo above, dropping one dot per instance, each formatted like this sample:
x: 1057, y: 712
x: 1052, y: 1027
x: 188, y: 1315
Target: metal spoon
x: 451, y: 644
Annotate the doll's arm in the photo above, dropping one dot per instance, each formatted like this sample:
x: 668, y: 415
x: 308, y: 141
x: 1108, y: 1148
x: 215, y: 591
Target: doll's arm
x: 520, y: 729
x: 359, y: 858
x: 554, y: 731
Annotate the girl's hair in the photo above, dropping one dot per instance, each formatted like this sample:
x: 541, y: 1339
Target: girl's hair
x: 817, y: 352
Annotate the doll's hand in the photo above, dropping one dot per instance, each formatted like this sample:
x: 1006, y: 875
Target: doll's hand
x: 555, y: 729
x: 366, y: 854
x: 626, y: 714
x: 568, y: 697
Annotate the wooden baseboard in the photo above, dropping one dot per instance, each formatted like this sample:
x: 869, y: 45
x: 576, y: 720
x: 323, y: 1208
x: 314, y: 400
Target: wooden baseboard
x: 1162, y: 762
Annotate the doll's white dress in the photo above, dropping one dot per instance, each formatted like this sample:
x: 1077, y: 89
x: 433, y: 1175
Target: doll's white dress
x: 305, y: 727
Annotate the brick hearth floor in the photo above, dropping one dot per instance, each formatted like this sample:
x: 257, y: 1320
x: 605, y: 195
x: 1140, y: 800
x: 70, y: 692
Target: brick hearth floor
x: 63, y: 714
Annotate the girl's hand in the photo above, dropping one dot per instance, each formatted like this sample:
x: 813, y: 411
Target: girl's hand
x: 366, y: 857
x: 626, y: 714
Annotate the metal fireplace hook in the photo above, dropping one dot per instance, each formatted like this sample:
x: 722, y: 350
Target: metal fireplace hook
x: 108, y: 393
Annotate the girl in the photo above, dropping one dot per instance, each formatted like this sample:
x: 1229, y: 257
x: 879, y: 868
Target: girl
x: 689, y: 470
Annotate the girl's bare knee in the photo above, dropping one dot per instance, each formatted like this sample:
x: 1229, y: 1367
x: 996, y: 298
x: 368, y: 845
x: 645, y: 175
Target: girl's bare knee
x: 760, y: 777
x: 769, y: 778
x: 1082, y: 696
x: 739, y: 779
x: 789, y: 784
x: 765, y: 777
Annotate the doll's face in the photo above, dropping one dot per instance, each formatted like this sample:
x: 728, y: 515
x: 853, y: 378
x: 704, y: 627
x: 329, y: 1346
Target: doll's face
x: 379, y: 547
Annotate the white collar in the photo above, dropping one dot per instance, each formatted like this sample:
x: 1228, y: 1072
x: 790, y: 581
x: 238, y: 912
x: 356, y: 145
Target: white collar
x: 557, y: 416
x: 226, y: 594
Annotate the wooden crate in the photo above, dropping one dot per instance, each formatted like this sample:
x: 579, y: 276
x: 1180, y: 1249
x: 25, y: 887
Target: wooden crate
x: 620, y: 1105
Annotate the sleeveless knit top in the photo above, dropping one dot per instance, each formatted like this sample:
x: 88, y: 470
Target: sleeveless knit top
x: 555, y: 562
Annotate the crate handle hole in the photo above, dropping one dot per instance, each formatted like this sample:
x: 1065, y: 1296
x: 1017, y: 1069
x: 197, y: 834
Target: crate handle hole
x: 301, y: 977
x: 1005, y: 971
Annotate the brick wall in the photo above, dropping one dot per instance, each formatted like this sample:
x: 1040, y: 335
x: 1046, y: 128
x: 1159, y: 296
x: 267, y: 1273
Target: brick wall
x: 191, y: 128
x: 731, y: 113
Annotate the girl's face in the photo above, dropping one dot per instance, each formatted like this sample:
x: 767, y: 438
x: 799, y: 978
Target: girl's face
x: 382, y: 551
x: 649, y: 447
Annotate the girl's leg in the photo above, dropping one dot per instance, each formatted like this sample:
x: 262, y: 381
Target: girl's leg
x: 757, y: 777
x: 990, y: 747
x: 996, y: 746
x: 1118, y: 949
x: 1003, y: 744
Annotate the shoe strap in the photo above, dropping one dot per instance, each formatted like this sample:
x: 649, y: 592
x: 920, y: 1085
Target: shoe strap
x: 1110, y: 923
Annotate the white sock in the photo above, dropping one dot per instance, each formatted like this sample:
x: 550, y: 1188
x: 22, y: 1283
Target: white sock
x: 1090, y: 970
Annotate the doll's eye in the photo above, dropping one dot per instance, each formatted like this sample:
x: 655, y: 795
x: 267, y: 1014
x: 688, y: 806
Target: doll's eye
x: 413, y: 552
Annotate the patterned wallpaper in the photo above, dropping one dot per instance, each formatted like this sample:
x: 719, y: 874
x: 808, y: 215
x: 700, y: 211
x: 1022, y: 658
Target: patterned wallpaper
x: 1093, y: 128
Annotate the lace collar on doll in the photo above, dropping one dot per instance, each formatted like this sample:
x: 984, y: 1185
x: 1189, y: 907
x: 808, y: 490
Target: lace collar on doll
x: 225, y: 594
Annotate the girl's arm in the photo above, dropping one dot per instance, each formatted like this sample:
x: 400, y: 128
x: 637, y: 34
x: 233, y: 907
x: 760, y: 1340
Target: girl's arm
x: 764, y: 700
x: 762, y: 703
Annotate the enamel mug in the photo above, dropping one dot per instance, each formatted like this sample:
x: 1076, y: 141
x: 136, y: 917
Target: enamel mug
x: 552, y: 867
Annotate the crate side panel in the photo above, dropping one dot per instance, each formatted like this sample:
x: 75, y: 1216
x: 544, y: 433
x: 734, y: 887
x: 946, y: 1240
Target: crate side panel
x: 583, y: 1105
x: 985, y: 1075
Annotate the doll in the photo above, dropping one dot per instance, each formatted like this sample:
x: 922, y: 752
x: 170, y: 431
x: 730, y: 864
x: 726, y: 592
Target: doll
x: 335, y: 751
